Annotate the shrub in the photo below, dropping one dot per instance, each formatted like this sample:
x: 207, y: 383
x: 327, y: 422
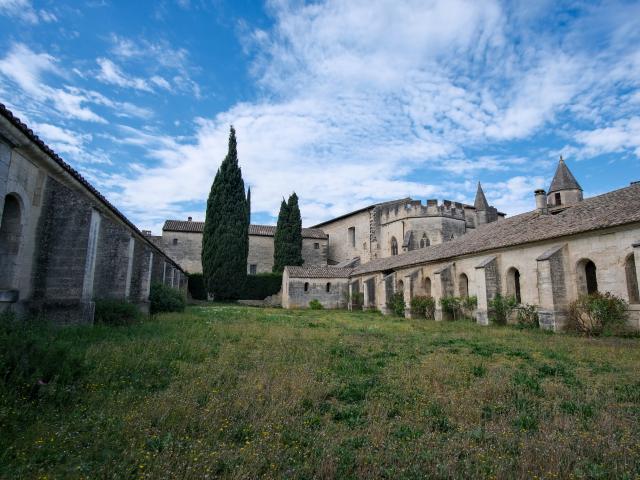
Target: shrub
x: 261, y: 286
x: 469, y: 304
x: 528, y: 316
x: 598, y: 313
x: 396, y: 304
x: 315, y: 305
x: 165, y: 299
x: 501, y: 307
x: 356, y: 299
x: 35, y: 364
x: 196, y: 286
x: 116, y: 312
x: 423, y: 306
x: 452, y: 306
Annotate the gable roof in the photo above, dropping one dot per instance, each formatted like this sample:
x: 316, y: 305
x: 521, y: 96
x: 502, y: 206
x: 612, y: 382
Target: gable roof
x: 563, y: 179
x: 612, y: 209
x: 48, y: 151
x: 191, y: 226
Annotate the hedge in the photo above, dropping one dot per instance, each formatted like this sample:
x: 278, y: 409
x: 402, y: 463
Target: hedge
x: 262, y: 285
x: 165, y: 299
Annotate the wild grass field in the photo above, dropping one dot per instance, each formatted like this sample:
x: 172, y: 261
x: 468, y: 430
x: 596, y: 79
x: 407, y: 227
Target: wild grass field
x: 225, y: 391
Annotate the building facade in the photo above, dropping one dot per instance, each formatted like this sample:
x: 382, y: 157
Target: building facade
x: 62, y: 244
x: 548, y: 257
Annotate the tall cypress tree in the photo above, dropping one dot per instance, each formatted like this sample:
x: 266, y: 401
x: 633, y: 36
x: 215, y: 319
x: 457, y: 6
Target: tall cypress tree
x: 280, y: 238
x: 225, y: 239
x: 288, y: 237
x: 295, y: 231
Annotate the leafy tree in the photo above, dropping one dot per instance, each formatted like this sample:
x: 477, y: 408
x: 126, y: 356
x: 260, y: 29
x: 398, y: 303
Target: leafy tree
x: 295, y: 229
x: 280, y: 238
x: 225, y: 239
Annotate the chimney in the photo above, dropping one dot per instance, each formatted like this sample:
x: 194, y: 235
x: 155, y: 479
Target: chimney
x: 189, y: 219
x: 146, y: 233
x: 541, y: 200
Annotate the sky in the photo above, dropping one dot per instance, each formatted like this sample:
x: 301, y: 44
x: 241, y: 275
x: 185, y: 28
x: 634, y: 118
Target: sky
x: 347, y: 103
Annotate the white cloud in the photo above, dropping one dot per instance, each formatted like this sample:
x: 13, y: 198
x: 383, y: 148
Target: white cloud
x: 621, y: 135
x: 111, y: 73
x: 23, y: 10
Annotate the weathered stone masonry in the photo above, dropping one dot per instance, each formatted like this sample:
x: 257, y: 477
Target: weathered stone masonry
x: 62, y: 244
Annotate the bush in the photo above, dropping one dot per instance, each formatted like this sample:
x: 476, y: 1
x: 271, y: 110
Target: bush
x: 452, y: 306
x: 598, y: 313
x: 315, y: 305
x: 116, y: 312
x: 423, y: 306
x: 165, y: 299
x: 396, y: 304
x: 528, y: 316
x: 196, y: 287
x: 356, y: 299
x: 35, y: 365
x: 469, y: 304
x: 261, y: 286
x: 501, y: 307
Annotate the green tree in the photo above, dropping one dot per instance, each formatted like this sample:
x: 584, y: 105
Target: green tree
x: 280, y: 238
x: 295, y: 231
x: 288, y: 237
x: 225, y: 239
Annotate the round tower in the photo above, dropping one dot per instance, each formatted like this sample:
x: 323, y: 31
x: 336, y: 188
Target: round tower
x: 565, y: 189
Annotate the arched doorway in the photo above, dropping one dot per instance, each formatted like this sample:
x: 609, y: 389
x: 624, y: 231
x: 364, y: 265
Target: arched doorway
x: 10, y: 239
x: 427, y: 286
x: 463, y: 285
x: 587, y: 277
x: 513, y: 284
x: 632, y: 279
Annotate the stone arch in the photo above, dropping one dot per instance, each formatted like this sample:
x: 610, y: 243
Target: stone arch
x: 10, y: 239
x: 394, y: 246
x: 427, y: 286
x: 400, y: 286
x: 463, y: 285
x: 632, y: 279
x: 513, y: 284
x: 587, y: 277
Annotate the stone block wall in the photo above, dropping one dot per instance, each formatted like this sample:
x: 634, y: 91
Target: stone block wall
x: 312, y: 255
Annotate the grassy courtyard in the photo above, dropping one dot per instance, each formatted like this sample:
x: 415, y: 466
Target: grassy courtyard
x: 233, y: 392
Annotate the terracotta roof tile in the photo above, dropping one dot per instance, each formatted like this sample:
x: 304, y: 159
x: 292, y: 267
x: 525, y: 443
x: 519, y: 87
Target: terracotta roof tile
x: 318, y: 272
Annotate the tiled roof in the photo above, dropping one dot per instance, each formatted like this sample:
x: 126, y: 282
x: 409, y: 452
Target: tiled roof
x: 22, y: 127
x: 611, y: 209
x: 563, y: 179
x: 259, y: 230
x: 318, y: 272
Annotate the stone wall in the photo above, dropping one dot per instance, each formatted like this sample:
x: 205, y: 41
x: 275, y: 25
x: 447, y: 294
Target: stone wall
x: 260, y: 253
x: 330, y: 292
x: 340, y: 247
x: 185, y: 248
x: 314, y: 251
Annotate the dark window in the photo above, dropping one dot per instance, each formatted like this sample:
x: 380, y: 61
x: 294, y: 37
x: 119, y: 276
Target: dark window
x: 316, y: 246
x: 463, y: 286
x: 352, y: 236
x: 10, y: 239
x: 328, y: 287
x: 394, y: 246
x: 175, y: 241
x: 516, y: 281
x: 306, y: 286
x: 558, y: 199
x: 253, y: 269
x: 590, y: 274
x: 632, y: 279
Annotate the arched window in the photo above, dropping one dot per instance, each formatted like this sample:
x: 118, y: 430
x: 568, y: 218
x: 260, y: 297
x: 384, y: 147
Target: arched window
x: 306, y: 286
x: 328, y: 287
x: 587, y: 277
x: 424, y: 242
x: 632, y: 279
x: 513, y: 284
x: 394, y: 246
x: 463, y: 285
x: 10, y: 237
x: 427, y: 286
x: 400, y: 286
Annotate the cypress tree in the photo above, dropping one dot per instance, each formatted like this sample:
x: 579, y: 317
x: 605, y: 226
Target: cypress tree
x: 295, y: 231
x: 280, y: 239
x: 225, y: 239
x: 288, y: 237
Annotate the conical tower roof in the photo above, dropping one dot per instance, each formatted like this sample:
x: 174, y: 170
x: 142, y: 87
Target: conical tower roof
x: 481, y: 201
x: 563, y: 179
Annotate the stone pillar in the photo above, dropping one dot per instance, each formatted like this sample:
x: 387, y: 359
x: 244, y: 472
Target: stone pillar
x: 365, y: 294
x: 407, y: 296
x: 127, y: 285
x: 552, y: 289
x: 636, y: 259
x: 350, y: 302
x: 488, y: 285
x: 92, y: 250
x: 437, y: 294
x: 384, y: 291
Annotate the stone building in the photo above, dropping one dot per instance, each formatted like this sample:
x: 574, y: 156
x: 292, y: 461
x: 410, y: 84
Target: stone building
x: 390, y: 228
x: 182, y: 240
x: 547, y: 257
x: 62, y: 244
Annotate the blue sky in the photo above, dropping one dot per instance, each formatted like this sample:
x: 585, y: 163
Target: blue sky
x: 345, y: 102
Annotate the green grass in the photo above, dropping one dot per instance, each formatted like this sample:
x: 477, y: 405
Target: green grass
x: 226, y: 391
